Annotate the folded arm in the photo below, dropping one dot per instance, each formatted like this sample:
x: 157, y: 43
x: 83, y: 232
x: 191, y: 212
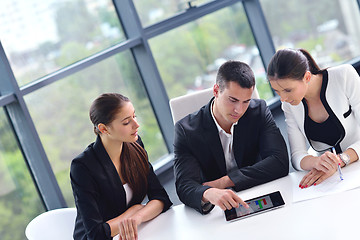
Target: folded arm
x: 126, y: 224
x: 273, y: 162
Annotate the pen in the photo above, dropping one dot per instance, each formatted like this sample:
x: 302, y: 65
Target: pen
x: 339, y: 168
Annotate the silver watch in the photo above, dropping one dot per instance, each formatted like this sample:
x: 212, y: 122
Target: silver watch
x: 345, y: 158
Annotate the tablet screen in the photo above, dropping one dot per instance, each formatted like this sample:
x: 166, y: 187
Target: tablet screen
x: 256, y: 205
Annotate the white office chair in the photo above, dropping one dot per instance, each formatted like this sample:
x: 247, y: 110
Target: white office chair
x: 189, y: 103
x: 55, y: 224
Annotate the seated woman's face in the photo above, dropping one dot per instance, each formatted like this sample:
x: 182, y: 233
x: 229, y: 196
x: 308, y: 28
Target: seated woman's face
x: 124, y: 127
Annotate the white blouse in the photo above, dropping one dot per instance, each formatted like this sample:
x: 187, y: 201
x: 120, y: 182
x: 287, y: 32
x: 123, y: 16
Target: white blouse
x: 128, y: 193
x: 342, y: 91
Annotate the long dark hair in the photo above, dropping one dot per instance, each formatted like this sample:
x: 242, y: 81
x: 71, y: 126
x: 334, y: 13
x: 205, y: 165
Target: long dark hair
x: 134, y: 165
x: 291, y: 63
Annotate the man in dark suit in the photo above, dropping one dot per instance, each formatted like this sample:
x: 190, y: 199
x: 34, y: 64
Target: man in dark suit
x: 232, y: 142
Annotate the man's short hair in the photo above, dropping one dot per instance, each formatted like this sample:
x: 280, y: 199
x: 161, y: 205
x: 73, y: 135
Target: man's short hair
x: 235, y: 71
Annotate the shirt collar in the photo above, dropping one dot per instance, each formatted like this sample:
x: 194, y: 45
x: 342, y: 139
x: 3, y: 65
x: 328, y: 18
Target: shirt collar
x: 217, y: 124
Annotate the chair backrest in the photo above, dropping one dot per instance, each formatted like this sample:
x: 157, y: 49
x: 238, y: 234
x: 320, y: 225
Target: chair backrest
x: 189, y: 103
x: 55, y: 224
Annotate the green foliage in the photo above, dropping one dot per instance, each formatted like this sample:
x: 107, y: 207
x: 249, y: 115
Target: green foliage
x: 21, y: 204
x: 263, y: 88
x: 311, y: 43
x: 290, y: 20
x: 335, y: 57
x: 71, y: 52
x: 7, y: 142
x: 70, y: 12
x: 165, y: 7
x: 186, y: 53
x: 63, y: 178
x: 108, y: 17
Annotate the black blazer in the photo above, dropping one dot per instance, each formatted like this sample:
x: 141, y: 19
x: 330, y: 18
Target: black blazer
x: 259, y: 149
x: 99, y: 194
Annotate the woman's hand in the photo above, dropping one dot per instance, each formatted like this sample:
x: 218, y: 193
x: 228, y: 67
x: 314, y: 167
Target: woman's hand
x: 315, y: 177
x: 327, y: 162
x: 126, y: 225
x: 128, y: 228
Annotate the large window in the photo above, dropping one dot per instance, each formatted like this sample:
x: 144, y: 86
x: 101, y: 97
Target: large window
x: 19, y: 200
x: 329, y: 29
x: 152, y: 11
x: 40, y: 36
x: 189, y: 57
x: 63, y: 54
x: 61, y: 113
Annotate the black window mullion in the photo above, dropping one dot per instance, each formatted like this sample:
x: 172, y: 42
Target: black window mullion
x: 29, y: 141
x: 147, y: 68
x: 260, y: 30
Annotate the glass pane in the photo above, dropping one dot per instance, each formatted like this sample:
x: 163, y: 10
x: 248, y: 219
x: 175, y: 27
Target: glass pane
x: 19, y: 199
x: 331, y: 33
x: 60, y: 112
x: 152, y: 11
x: 42, y: 36
x: 188, y: 57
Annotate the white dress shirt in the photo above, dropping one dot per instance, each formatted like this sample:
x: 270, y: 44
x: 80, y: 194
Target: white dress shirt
x: 226, y: 142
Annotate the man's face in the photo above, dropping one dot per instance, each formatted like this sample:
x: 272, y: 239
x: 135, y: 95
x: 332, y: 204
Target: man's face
x: 231, y: 104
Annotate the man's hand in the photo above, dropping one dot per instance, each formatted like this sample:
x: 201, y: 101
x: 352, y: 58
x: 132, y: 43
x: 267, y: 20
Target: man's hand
x: 221, y: 183
x: 224, y: 198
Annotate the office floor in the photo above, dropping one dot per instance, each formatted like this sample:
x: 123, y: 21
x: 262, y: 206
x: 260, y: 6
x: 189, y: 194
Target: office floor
x: 167, y: 178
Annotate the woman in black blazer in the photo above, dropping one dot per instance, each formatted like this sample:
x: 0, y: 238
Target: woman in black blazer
x: 113, y: 175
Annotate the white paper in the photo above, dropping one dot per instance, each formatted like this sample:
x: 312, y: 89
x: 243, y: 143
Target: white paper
x: 351, y: 175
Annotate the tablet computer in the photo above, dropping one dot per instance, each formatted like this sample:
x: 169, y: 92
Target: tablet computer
x: 256, y: 205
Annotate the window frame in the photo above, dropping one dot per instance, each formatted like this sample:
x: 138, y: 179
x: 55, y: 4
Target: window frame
x: 137, y: 37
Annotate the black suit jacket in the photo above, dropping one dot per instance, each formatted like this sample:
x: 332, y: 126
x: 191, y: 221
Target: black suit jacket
x: 259, y: 149
x: 99, y: 194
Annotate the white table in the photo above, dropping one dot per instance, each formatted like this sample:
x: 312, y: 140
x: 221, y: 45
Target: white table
x: 329, y: 217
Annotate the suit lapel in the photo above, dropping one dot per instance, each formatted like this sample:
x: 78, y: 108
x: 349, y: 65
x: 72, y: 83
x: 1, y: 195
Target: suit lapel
x: 212, y: 139
x: 239, y: 138
x: 112, y: 175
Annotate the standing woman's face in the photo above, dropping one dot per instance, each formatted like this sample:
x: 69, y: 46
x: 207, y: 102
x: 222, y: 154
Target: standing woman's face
x: 124, y: 127
x: 290, y: 90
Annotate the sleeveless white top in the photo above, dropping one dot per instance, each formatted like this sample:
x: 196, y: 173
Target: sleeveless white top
x: 128, y: 193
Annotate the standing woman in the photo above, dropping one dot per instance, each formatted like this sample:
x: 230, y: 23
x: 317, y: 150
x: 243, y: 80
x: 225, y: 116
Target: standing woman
x: 112, y: 176
x: 322, y: 107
